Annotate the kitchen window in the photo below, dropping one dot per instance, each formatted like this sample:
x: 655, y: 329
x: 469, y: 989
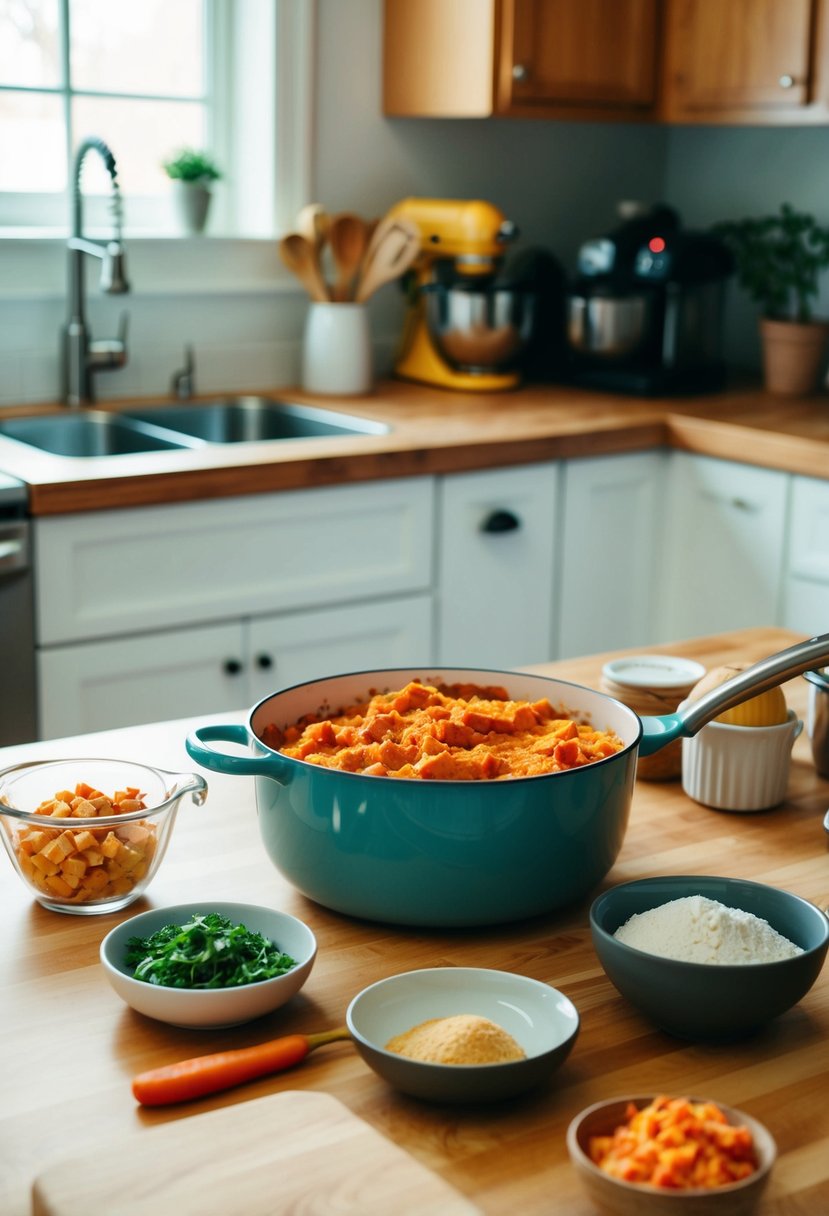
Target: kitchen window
x: 230, y: 76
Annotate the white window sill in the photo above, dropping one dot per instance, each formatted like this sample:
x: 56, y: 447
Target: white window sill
x: 33, y: 266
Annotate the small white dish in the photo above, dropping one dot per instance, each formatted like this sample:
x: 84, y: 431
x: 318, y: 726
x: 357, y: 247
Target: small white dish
x: 543, y: 1021
x: 660, y: 671
x: 201, y: 1008
x: 739, y: 768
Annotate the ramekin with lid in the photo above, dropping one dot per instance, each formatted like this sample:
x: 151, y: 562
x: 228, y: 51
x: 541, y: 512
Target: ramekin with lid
x: 653, y: 684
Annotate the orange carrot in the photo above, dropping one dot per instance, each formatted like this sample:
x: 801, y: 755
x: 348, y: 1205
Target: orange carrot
x: 202, y: 1075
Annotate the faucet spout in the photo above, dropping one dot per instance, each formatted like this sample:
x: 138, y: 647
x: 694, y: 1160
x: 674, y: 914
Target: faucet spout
x: 80, y: 355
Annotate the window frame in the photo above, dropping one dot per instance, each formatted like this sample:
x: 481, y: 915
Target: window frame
x: 275, y: 107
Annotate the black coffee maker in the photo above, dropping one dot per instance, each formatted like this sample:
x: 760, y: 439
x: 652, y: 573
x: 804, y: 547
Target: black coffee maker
x: 644, y: 315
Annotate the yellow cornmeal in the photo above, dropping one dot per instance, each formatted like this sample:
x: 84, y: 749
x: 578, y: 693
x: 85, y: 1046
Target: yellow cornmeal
x: 464, y: 1038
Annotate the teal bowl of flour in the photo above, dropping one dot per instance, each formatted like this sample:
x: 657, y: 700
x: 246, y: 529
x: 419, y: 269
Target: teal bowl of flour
x: 707, y: 1001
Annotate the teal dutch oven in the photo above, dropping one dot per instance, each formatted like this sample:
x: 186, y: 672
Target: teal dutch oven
x: 457, y: 853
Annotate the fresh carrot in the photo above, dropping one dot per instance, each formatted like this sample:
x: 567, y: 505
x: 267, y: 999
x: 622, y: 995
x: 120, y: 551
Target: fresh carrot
x: 210, y: 1074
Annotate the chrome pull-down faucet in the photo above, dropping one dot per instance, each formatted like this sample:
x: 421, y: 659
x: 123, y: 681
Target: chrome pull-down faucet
x: 81, y: 356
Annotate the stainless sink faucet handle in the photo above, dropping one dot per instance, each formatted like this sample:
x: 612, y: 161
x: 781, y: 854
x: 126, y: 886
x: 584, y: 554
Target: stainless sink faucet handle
x: 109, y: 353
x: 183, y: 382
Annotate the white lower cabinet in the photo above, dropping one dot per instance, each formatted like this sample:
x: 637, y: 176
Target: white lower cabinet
x: 181, y: 673
x: 724, y: 544
x: 806, y: 588
x: 497, y: 531
x: 611, y: 528
x: 173, y: 611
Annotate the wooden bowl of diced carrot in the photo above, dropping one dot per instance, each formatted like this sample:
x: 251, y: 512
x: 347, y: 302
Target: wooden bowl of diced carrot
x: 87, y: 835
x: 670, y: 1156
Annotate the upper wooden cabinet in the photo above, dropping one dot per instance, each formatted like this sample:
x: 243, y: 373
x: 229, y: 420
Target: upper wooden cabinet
x: 743, y: 62
x: 747, y: 61
x: 592, y: 59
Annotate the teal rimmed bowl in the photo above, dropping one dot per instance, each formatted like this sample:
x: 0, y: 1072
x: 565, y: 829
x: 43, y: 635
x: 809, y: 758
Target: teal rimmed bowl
x: 709, y: 1001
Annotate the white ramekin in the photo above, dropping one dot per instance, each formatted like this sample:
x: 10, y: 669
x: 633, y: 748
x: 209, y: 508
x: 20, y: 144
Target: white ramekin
x: 739, y: 768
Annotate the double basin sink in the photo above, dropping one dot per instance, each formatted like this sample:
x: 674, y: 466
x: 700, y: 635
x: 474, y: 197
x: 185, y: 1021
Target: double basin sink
x: 91, y: 433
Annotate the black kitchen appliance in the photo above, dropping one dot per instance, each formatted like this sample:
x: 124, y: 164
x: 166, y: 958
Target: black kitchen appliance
x: 645, y: 313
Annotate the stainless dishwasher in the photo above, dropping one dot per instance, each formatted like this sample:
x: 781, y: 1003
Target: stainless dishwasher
x: 18, y: 690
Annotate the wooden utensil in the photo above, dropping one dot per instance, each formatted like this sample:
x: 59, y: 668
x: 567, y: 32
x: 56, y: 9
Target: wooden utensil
x: 300, y: 256
x: 391, y: 251
x: 348, y: 238
x: 313, y: 222
x: 210, y: 1074
x: 293, y: 1151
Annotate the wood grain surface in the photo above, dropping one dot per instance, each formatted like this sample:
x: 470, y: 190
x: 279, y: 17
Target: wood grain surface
x: 255, y: 1159
x: 70, y: 1047
x: 434, y: 431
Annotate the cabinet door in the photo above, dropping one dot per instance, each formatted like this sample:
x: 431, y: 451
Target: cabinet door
x: 744, y: 61
x: 724, y: 546
x: 806, y: 592
x: 497, y: 531
x: 301, y: 646
x: 610, y: 539
x: 597, y: 54
x: 126, y: 681
x: 119, y: 572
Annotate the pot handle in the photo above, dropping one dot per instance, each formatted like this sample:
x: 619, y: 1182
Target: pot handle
x: 228, y: 763
x: 765, y: 674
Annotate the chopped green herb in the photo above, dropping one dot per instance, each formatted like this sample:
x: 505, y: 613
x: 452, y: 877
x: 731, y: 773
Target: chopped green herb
x: 208, y: 952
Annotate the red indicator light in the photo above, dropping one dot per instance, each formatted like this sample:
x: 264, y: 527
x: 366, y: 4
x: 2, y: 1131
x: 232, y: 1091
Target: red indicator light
x: 656, y: 244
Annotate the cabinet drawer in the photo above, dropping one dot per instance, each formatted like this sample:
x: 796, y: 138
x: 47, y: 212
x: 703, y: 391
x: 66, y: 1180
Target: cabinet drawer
x: 126, y: 571
x: 497, y: 532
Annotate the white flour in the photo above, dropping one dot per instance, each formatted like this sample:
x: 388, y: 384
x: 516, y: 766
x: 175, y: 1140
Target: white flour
x: 700, y: 930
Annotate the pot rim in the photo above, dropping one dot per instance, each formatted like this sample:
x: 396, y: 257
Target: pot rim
x: 272, y: 753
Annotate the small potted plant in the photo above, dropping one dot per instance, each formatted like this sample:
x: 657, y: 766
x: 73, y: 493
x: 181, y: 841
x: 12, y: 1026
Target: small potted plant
x: 779, y: 260
x: 193, y: 173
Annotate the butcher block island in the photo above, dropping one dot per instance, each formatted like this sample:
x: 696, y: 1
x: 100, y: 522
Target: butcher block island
x: 71, y: 1047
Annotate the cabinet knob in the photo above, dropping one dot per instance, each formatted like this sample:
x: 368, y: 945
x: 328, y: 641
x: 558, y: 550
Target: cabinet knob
x: 264, y: 662
x: 520, y: 72
x: 231, y: 667
x: 786, y: 81
x: 501, y: 521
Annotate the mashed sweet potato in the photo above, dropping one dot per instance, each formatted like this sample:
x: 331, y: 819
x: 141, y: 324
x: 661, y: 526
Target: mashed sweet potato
x: 446, y: 733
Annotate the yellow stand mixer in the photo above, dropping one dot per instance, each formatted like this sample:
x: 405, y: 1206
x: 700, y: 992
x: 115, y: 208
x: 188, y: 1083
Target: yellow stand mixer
x: 461, y: 330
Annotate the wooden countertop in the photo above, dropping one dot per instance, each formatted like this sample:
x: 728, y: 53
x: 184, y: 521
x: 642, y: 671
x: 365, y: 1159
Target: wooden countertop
x: 70, y: 1046
x: 436, y: 431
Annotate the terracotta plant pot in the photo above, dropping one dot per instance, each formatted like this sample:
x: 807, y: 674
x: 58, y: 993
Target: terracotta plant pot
x: 793, y: 355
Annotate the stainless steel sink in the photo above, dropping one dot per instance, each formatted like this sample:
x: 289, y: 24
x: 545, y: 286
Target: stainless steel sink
x: 91, y: 433
x: 253, y: 419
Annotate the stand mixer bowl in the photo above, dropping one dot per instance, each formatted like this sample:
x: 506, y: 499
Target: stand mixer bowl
x: 479, y: 327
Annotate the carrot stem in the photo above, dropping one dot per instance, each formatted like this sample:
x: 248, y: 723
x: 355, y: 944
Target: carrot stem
x: 188, y: 1079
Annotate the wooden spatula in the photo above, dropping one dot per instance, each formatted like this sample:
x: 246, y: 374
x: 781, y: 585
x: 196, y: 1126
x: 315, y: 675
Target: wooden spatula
x: 391, y: 251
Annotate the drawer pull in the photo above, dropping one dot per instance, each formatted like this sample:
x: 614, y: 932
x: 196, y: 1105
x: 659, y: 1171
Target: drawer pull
x: 501, y: 521
x: 231, y: 667
x: 264, y: 662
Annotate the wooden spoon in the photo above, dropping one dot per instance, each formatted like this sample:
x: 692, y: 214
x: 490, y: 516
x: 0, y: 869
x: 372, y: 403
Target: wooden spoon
x: 392, y: 249
x: 348, y: 238
x: 300, y: 256
x: 313, y: 222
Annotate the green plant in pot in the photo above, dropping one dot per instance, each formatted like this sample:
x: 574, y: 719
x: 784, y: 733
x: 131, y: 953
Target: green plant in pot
x: 193, y: 173
x: 779, y: 260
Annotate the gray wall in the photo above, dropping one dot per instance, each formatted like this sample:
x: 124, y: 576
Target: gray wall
x: 558, y: 181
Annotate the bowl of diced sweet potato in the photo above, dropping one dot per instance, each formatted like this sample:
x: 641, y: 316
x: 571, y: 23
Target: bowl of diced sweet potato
x: 87, y: 835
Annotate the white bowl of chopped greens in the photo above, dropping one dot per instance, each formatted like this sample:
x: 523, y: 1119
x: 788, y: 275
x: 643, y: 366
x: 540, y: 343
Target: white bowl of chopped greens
x: 209, y: 964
